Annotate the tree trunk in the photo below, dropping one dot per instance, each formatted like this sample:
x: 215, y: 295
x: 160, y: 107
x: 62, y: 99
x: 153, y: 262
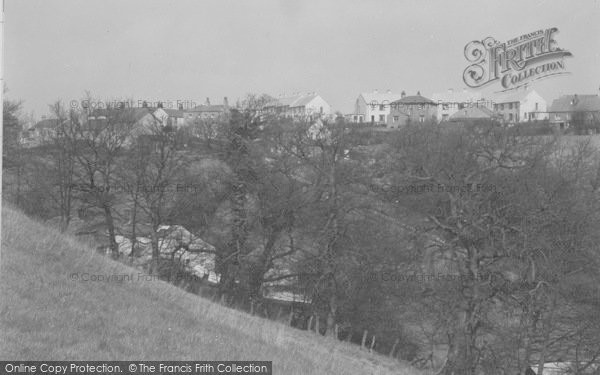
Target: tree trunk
x: 154, y: 264
x: 330, y: 328
x: 114, y: 247
x: 548, y: 323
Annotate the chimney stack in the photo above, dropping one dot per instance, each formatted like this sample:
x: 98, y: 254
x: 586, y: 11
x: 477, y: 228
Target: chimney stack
x: 403, y: 94
x: 225, y: 102
x: 207, y: 101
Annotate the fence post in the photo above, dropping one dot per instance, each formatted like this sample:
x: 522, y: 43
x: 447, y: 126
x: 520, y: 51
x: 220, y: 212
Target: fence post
x: 251, y: 307
x: 394, y: 348
x: 291, y: 317
x: 372, y: 344
x: 318, y: 332
x: 364, y: 339
x: 279, y: 313
x: 310, y: 322
x: 335, y: 331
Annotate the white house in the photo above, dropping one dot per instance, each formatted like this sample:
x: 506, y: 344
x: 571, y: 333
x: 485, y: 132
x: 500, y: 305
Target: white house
x: 300, y: 106
x: 374, y: 106
x: 521, y: 106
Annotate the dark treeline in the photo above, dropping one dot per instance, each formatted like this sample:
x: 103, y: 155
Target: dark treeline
x: 468, y: 249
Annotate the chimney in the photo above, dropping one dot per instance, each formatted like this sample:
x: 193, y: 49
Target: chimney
x: 207, y: 101
x: 403, y: 94
x: 375, y: 91
x: 419, y: 93
x: 225, y: 102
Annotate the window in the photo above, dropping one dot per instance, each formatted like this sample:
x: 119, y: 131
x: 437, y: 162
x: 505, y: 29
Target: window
x: 355, y: 118
x: 396, y: 118
x: 421, y: 118
x: 381, y: 107
x: 381, y: 118
x: 510, y: 105
x: 372, y: 118
x: 510, y: 117
x: 420, y: 106
x: 536, y: 107
x: 445, y: 117
x: 502, y: 107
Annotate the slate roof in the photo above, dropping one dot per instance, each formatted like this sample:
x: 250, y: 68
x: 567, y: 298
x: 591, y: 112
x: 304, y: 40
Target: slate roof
x: 173, y: 112
x: 414, y: 99
x: 208, y: 108
x: 473, y: 113
x: 512, y: 97
x: 572, y: 103
x: 304, y: 100
x: 293, y: 101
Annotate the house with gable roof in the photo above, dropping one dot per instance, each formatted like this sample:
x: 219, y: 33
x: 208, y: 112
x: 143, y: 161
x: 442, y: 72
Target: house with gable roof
x: 520, y: 106
x: 411, y: 109
x: 566, y: 108
x: 300, y: 106
x: 374, y: 107
x: 207, y: 111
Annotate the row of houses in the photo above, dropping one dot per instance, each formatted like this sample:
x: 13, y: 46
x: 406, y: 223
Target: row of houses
x: 396, y: 110
x: 309, y: 106
x: 379, y: 108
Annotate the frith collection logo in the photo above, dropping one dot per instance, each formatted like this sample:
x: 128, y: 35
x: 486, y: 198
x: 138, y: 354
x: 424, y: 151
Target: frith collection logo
x: 516, y: 62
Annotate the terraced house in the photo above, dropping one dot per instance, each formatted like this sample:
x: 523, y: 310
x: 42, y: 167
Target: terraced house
x: 373, y: 107
x: 520, y: 106
x: 207, y: 111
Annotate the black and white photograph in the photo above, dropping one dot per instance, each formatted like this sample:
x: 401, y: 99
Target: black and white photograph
x: 304, y: 187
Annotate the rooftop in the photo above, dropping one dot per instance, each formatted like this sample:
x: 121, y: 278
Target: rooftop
x: 414, y: 99
x: 570, y: 103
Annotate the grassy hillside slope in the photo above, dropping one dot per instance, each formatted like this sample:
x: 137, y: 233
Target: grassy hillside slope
x: 49, y: 311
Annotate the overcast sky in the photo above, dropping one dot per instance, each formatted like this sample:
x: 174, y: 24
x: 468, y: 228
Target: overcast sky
x: 190, y: 50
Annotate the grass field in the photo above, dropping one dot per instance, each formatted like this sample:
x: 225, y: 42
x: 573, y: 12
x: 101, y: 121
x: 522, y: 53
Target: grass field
x: 51, y: 309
